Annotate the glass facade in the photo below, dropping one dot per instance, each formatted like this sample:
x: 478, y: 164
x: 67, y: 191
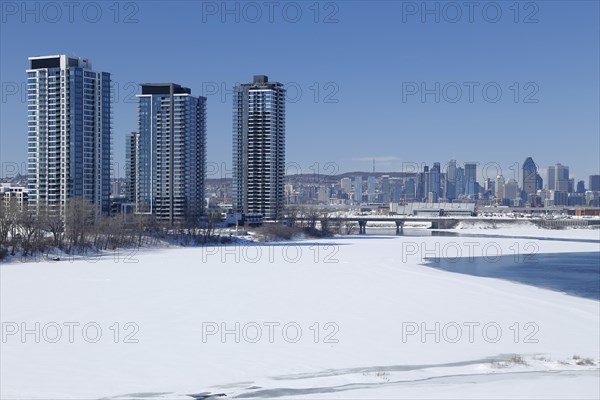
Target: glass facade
x: 171, y: 153
x: 69, y: 133
x: 529, y: 184
x: 259, y: 148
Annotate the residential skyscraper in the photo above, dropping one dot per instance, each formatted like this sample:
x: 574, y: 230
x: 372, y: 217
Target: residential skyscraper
x: 171, y: 153
x: 259, y: 147
x: 69, y: 133
x: 132, y: 144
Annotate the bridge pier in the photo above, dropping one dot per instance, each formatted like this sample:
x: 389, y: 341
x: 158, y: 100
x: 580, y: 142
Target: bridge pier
x: 362, y: 227
x: 444, y: 224
x: 399, y: 226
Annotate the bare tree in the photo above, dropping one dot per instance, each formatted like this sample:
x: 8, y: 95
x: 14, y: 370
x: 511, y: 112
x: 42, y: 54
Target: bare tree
x: 52, y: 222
x: 208, y: 229
x: 292, y: 214
x: 325, y: 223
x: 9, y: 234
x: 31, y: 232
x: 9, y: 212
x: 79, y: 218
x: 311, y: 217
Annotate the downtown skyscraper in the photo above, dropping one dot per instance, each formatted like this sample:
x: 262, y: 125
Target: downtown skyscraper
x: 69, y: 133
x: 531, y: 179
x: 558, y: 177
x: 451, y: 180
x: 167, y: 156
x: 471, y: 186
x: 259, y: 148
x: 433, y: 190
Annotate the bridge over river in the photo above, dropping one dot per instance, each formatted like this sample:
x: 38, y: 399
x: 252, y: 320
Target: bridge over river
x: 452, y: 222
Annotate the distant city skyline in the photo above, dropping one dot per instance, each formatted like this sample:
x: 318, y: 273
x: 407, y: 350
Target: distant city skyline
x: 332, y: 71
x: 215, y: 170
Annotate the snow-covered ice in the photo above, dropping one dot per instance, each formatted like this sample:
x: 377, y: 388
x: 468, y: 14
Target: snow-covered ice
x: 361, y: 303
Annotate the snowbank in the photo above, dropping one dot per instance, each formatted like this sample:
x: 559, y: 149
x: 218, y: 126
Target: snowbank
x: 465, y: 224
x: 526, y: 229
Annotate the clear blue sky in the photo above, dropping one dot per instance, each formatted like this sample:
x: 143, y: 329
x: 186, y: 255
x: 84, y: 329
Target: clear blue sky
x: 366, y: 57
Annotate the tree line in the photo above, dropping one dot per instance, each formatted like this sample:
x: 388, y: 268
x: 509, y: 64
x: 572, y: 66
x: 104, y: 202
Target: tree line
x: 81, y: 230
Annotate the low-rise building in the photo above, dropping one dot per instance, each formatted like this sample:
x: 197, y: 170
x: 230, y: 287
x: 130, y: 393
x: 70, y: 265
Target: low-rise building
x: 17, y: 194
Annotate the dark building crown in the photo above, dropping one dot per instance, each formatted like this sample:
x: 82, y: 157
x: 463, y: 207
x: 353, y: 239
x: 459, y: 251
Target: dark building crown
x: 164, y: 88
x: 260, y: 79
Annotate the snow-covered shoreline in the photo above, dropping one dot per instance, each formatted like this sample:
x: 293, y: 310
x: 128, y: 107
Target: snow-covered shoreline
x: 374, y: 323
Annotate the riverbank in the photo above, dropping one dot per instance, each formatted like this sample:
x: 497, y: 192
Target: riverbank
x: 347, y: 317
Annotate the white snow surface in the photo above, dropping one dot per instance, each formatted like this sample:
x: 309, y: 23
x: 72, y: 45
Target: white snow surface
x: 368, y: 289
